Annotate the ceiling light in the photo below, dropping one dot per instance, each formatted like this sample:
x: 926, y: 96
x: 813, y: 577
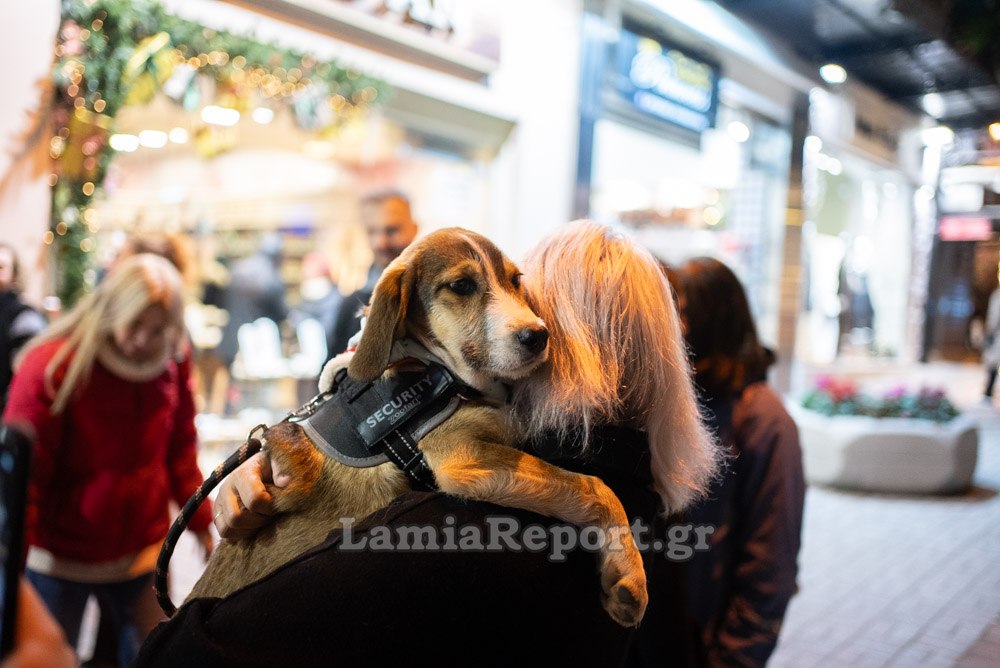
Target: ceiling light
x: 124, y: 143
x: 833, y: 73
x: 153, y: 138
x: 813, y: 144
x: 995, y: 131
x: 214, y: 115
x: 938, y: 135
x: 933, y: 104
x: 179, y: 136
x: 263, y: 115
x: 739, y: 131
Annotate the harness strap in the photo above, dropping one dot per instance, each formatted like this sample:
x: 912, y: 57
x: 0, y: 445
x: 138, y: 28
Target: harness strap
x: 403, y: 452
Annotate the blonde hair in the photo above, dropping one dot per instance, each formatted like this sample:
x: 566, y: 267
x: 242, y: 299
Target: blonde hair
x: 129, y: 288
x: 616, y: 355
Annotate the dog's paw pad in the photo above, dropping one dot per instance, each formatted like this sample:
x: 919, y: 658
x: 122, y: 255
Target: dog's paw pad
x: 626, y: 603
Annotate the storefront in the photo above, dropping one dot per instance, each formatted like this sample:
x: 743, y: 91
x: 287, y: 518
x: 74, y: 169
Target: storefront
x: 687, y: 139
x: 861, y: 175
x: 966, y: 250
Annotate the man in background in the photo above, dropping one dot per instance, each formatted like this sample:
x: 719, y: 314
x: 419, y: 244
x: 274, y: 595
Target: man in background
x: 390, y: 227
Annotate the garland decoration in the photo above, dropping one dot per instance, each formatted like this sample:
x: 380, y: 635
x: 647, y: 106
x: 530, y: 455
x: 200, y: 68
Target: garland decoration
x: 116, y: 53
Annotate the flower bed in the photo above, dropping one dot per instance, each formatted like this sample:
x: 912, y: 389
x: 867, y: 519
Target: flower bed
x: 901, y: 442
x: 833, y: 396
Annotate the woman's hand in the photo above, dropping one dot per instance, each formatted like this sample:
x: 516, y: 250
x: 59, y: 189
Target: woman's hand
x: 243, y: 504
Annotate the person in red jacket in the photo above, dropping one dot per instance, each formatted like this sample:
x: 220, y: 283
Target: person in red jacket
x: 108, y: 392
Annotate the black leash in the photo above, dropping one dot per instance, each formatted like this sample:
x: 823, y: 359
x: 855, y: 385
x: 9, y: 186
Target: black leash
x: 247, y: 450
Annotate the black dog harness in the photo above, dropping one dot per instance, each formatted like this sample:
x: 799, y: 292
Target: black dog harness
x: 367, y: 424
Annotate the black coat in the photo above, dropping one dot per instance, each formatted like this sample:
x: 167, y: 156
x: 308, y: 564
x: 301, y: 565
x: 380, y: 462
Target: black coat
x: 335, y: 606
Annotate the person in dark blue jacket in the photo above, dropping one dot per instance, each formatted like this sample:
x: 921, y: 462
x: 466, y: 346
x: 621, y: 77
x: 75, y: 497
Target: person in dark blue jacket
x: 739, y: 590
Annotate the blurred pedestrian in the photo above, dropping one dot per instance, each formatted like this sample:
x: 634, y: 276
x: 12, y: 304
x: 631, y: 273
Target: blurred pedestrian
x: 19, y: 321
x: 255, y: 290
x: 740, y: 588
x: 169, y: 246
x: 320, y: 298
x: 390, y: 227
x: 991, y: 343
x: 116, y: 444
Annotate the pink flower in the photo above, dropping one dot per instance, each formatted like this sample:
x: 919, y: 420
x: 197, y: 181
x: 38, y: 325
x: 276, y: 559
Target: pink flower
x: 896, y: 393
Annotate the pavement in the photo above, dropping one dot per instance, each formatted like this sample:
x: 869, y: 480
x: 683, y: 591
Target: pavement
x: 895, y: 580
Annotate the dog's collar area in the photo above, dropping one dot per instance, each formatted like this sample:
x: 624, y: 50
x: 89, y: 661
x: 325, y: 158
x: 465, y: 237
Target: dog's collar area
x: 367, y: 424
x: 496, y: 392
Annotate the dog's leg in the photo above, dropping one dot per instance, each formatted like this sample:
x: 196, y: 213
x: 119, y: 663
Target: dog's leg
x: 484, y: 468
x: 321, y: 492
x: 236, y: 564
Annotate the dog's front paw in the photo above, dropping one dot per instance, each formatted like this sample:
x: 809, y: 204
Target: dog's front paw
x: 623, y: 581
x: 626, y: 601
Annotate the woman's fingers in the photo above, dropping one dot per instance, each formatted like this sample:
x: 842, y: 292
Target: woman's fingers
x: 243, y: 504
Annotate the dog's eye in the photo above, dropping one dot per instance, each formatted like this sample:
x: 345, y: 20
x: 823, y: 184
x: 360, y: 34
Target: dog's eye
x: 516, y: 280
x: 463, y: 286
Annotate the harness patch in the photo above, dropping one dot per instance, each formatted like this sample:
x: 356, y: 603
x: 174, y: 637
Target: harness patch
x: 365, y: 425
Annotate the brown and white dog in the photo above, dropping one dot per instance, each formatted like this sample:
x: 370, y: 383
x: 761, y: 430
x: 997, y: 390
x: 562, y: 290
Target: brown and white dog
x: 460, y: 298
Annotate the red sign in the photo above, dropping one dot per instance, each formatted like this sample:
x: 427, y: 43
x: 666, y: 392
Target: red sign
x: 965, y: 228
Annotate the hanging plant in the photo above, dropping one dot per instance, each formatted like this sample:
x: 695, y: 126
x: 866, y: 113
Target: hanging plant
x: 116, y: 53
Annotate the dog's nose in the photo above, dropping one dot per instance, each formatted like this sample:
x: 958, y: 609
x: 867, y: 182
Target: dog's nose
x: 533, y: 338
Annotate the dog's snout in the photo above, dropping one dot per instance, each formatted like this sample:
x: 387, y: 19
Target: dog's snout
x: 533, y: 338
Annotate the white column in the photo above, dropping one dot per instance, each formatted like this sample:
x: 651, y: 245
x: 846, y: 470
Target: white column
x: 27, y: 42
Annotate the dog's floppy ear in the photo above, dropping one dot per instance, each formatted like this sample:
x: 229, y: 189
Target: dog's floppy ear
x: 385, y: 324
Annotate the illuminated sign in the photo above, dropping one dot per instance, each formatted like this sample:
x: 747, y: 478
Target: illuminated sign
x: 665, y: 82
x: 965, y: 228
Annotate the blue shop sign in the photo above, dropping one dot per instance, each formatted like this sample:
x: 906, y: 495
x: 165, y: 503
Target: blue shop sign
x: 665, y: 82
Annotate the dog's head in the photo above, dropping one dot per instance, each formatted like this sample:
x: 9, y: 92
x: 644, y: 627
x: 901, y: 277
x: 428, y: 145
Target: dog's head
x: 458, y: 295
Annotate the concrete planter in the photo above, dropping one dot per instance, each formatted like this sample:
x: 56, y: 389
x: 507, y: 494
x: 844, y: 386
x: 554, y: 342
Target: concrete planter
x: 887, y: 454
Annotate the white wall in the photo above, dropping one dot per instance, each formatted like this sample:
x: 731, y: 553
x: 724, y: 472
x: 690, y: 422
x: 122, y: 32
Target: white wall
x: 539, y: 79
x: 27, y: 38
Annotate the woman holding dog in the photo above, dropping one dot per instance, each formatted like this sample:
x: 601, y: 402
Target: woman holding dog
x: 614, y: 400
x: 111, y: 405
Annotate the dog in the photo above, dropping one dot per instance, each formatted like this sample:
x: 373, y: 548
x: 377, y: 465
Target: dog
x: 457, y: 296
